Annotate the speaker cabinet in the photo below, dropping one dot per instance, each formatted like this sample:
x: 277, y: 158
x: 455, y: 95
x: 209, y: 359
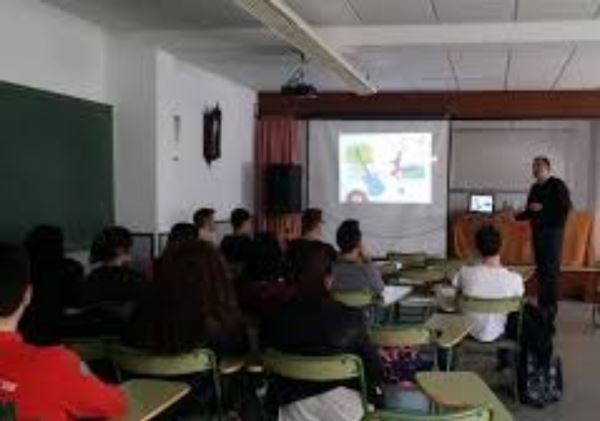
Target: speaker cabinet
x: 284, y: 188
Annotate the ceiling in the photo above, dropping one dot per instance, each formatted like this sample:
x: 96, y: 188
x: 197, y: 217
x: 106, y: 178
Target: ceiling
x: 399, y: 44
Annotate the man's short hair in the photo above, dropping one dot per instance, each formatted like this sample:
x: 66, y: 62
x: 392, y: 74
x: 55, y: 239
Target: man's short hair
x: 202, y: 216
x: 14, y: 278
x: 238, y: 217
x: 544, y: 160
x: 348, y: 235
x: 311, y: 218
x: 489, y: 241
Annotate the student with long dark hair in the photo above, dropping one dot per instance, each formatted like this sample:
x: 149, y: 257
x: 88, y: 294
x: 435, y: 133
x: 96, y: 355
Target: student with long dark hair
x: 181, y: 233
x: 191, y: 304
x: 314, y: 324
x: 55, y: 280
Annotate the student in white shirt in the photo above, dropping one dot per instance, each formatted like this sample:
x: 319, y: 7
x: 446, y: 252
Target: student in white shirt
x: 488, y: 279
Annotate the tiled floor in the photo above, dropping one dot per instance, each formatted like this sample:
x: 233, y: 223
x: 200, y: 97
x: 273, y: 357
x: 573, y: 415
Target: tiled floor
x: 579, y: 347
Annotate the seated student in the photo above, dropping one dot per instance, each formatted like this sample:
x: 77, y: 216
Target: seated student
x: 55, y: 280
x: 353, y: 269
x: 266, y: 262
x: 236, y: 247
x: 181, y: 233
x: 314, y: 324
x: 204, y: 219
x: 312, y: 230
x: 488, y: 279
x: 111, y: 288
x: 190, y: 304
x: 44, y: 383
x: 263, y: 287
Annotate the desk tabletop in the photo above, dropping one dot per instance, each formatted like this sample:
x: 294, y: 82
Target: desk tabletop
x: 461, y: 389
x: 148, y: 398
x: 452, y: 328
x: 393, y: 294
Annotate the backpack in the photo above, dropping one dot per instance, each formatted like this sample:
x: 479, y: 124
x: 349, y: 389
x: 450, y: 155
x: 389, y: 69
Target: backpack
x: 539, y: 385
x: 400, y: 365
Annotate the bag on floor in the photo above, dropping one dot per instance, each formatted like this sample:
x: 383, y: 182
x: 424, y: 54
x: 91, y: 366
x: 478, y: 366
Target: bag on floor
x: 540, y: 385
x: 401, y: 365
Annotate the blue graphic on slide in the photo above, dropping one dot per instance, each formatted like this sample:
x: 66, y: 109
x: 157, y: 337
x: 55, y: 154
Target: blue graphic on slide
x: 385, y: 167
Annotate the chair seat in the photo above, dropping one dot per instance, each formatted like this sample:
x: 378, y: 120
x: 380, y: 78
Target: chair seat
x: 230, y: 366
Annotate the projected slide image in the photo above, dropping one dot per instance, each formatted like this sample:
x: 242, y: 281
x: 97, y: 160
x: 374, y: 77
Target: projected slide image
x: 385, y: 168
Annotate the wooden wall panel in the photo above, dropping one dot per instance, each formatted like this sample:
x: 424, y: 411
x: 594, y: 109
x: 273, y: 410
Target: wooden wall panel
x: 455, y: 105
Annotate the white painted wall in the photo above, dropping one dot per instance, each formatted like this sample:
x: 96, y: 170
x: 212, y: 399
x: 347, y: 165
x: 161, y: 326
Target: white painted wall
x: 184, y: 180
x: 132, y: 89
x: 496, y: 156
x: 43, y: 47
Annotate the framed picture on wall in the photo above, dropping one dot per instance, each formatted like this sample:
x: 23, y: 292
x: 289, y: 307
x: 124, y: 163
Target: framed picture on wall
x: 212, y: 134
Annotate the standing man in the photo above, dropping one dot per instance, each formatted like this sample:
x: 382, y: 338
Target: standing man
x: 548, y: 206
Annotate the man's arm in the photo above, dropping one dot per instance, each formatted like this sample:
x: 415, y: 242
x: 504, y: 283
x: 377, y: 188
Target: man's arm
x: 82, y: 394
x: 527, y: 214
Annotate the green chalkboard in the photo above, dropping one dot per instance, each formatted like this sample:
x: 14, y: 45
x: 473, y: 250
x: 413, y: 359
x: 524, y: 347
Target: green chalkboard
x: 56, y: 164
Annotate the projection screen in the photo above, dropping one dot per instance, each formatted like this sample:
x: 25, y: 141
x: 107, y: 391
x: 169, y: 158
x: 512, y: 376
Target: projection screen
x: 390, y: 175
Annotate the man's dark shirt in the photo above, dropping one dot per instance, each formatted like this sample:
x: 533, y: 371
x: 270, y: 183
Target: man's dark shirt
x: 555, y: 199
x: 236, y: 248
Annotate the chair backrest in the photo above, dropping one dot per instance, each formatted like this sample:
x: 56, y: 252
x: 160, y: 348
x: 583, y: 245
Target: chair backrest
x: 317, y: 368
x: 402, y: 336
x: 490, y: 305
x: 471, y: 414
x: 355, y: 298
x: 139, y: 362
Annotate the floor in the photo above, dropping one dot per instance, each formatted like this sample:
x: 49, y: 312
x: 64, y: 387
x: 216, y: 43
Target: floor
x: 579, y: 347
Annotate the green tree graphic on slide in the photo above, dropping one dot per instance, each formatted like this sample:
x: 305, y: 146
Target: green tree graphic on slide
x: 363, y: 155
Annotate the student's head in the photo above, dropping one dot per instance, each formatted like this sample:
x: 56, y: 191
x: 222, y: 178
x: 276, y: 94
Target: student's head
x: 488, y: 241
x: 204, y: 219
x: 44, y: 244
x: 349, y: 236
x: 182, y: 233
x: 112, y: 246
x: 312, y: 222
x: 241, y: 221
x: 15, y: 291
x: 193, y: 293
x: 541, y: 168
x: 266, y: 262
x: 314, y: 277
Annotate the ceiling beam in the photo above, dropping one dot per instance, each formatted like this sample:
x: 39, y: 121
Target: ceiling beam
x: 348, y: 38
x: 469, y: 33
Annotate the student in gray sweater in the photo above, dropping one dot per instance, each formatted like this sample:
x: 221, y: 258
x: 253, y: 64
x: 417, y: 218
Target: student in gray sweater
x: 353, y: 269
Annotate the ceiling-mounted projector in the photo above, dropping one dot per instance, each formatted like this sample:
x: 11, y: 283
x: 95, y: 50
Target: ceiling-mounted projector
x: 297, y: 85
x: 299, y: 89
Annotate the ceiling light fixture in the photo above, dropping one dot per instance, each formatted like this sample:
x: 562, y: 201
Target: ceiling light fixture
x: 284, y: 22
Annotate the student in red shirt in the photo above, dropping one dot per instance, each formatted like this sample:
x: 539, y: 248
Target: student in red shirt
x: 44, y: 383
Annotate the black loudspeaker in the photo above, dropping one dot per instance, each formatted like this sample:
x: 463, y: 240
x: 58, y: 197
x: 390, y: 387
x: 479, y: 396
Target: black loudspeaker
x: 284, y: 188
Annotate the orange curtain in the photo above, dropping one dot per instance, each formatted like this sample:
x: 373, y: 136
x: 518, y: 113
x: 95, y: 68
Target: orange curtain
x: 578, y: 245
x: 276, y: 143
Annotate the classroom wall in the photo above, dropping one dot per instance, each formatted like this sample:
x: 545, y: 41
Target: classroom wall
x: 496, y: 156
x: 131, y: 75
x: 45, y: 48
x: 184, y: 180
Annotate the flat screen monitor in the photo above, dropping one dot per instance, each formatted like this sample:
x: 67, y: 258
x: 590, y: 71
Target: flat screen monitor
x: 481, y: 203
